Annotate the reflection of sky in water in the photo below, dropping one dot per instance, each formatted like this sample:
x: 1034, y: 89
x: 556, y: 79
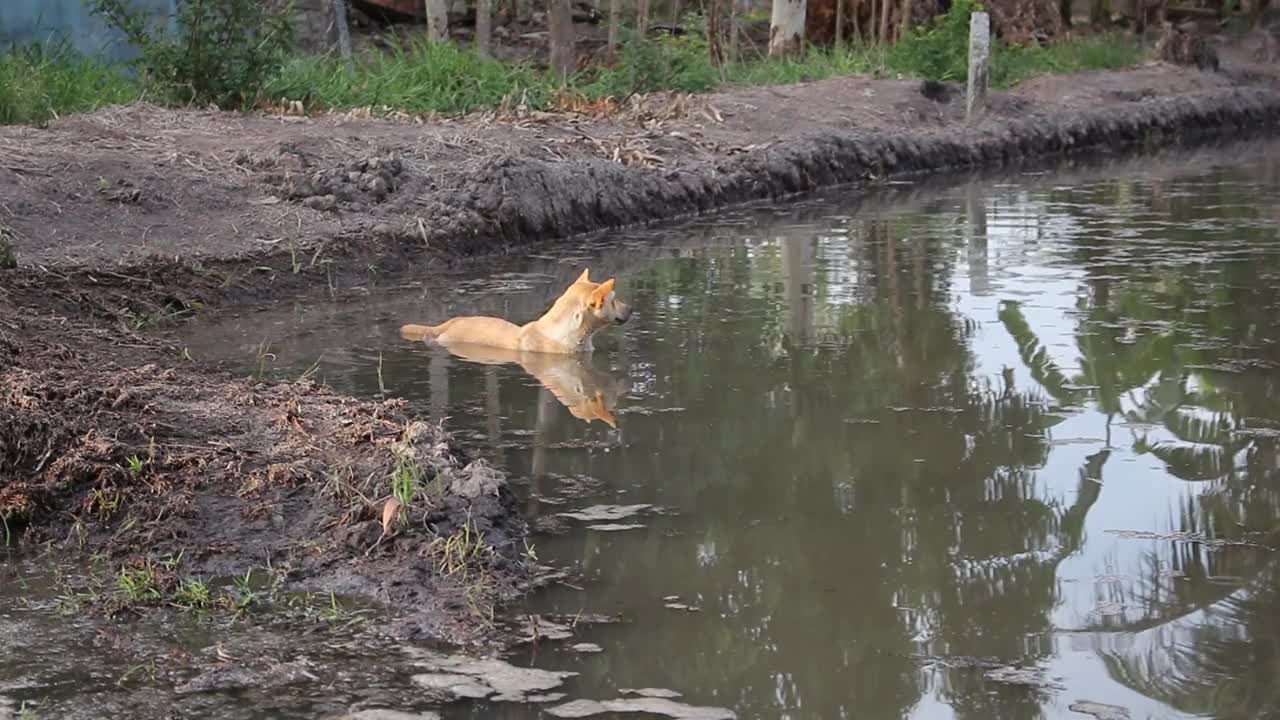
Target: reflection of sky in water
x: 1104, y: 579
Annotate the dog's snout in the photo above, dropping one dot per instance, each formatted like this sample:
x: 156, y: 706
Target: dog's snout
x: 624, y: 314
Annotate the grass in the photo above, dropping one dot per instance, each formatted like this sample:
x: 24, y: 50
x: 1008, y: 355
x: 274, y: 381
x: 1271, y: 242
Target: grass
x: 139, y: 585
x: 38, y: 84
x: 406, y: 478
x: 1100, y: 52
x: 420, y: 77
x: 425, y: 78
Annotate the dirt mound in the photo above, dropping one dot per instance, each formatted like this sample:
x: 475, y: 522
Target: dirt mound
x: 101, y: 446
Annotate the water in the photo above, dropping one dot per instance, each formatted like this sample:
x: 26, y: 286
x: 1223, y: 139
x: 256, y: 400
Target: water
x: 902, y: 445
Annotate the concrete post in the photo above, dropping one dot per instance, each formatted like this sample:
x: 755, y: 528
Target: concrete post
x: 979, y: 64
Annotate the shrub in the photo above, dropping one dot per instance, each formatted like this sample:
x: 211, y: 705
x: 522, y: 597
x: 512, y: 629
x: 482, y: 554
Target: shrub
x: 939, y: 49
x: 667, y: 63
x: 223, y: 52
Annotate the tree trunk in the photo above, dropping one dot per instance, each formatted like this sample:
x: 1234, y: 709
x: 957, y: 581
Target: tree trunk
x: 613, y: 27
x: 839, y: 23
x: 344, y: 30
x: 715, y: 32
x: 733, y: 31
x: 786, y: 28
x: 1099, y: 12
x: 884, y: 21
x: 484, y: 26
x: 560, y: 22
x: 437, y: 20
x: 642, y: 17
x: 906, y: 19
x: 1065, y: 12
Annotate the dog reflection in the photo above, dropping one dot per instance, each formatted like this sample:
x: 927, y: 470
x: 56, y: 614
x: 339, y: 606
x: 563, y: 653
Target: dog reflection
x: 588, y: 393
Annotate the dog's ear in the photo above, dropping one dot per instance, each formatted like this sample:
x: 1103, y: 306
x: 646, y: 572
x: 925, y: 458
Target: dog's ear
x: 601, y: 292
x: 584, y: 276
x: 603, y: 412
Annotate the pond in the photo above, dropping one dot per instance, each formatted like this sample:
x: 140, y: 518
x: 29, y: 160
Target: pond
x: 999, y: 447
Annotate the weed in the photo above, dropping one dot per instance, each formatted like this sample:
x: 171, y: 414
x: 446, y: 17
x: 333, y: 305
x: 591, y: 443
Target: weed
x: 193, y: 594
x: 139, y: 584
x: 27, y: 711
x: 327, y: 610
x: 462, y: 552
x: 248, y: 596
x: 311, y: 371
x: 135, y: 465
x: 223, y: 52
x: 169, y: 313
x: 263, y: 355
x: 406, y: 479
x: 105, y: 502
x: 150, y: 669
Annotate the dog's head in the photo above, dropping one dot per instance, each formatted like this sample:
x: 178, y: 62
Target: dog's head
x: 599, y: 303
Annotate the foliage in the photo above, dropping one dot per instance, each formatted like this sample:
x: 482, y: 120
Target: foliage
x: 939, y: 49
x: 1012, y: 65
x: 418, y: 77
x: 815, y: 64
x: 38, y: 83
x: 236, y: 53
x: 648, y: 65
x: 223, y: 52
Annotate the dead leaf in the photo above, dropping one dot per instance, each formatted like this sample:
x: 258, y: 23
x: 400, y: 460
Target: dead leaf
x: 389, y: 512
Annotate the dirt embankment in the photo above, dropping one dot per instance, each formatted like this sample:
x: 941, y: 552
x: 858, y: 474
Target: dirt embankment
x: 129, y: 219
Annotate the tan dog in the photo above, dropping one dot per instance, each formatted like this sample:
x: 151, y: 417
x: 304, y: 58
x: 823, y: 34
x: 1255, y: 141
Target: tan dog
x: 565, y: 329
x: 588, y: 394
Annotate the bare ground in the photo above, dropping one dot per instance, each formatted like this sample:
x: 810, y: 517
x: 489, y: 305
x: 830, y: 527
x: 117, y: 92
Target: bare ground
x: 131, y: 218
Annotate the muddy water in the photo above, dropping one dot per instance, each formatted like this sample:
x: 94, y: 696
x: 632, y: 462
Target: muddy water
x: 1001, y: 448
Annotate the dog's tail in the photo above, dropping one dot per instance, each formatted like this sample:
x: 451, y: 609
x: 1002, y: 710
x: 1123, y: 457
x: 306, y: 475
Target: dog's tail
x: 423, y: 332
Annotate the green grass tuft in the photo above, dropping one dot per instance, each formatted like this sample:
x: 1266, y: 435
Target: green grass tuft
x: 37, y: 84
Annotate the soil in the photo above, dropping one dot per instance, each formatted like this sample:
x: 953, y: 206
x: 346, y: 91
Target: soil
x: 128, y: 220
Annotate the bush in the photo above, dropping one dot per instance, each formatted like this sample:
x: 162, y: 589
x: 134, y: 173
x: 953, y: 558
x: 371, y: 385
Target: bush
x: 667, y: 63
x: 38, y: 83
x: 939, y: 49
x: 223, y: 52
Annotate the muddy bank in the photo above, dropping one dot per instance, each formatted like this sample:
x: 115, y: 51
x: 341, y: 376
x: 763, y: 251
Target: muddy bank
x: 113, y: 445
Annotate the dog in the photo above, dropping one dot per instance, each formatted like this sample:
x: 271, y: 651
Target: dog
x: 566, y: 329
x: 587, y: 393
